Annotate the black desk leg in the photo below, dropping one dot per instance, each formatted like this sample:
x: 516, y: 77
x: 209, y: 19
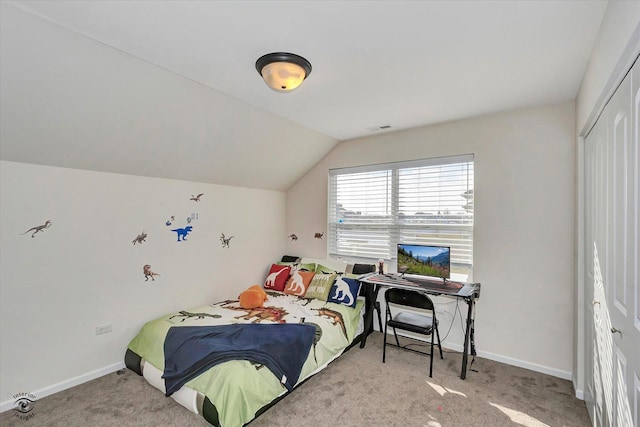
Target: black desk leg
x: 371, y: 296
x: 467, y: 335
x: 379, y: 310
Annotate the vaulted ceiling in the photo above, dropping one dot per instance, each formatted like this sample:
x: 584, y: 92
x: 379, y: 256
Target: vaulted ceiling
x: 375, y: 63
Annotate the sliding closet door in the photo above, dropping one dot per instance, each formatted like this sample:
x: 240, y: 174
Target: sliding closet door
x: 594, y: 290
x: 612, y: 240
x: 632, y: 266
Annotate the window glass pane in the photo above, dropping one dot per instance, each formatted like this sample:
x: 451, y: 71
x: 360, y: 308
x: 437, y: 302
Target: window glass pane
x: 435, y: 190
x: 363, y: 196
x: 373, y: 208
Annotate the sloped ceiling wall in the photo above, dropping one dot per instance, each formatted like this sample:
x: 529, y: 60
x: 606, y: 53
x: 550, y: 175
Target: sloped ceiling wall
x: 73, y: 102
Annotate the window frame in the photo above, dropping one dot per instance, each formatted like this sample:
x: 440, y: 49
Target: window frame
x: 393, y: 227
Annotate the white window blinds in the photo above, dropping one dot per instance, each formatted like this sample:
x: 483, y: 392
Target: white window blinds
x: 372, y: 208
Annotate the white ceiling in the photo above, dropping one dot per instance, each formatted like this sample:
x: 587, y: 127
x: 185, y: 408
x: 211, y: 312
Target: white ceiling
x: 375, y: 63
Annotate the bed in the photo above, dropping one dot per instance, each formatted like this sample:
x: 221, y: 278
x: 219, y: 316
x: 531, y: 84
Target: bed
x: 174, y: 352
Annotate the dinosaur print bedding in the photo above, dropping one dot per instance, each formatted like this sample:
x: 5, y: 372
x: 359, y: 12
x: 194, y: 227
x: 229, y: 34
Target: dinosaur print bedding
x: 234, y: 392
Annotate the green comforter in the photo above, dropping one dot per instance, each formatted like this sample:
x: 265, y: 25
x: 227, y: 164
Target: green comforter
x: 239, y: 389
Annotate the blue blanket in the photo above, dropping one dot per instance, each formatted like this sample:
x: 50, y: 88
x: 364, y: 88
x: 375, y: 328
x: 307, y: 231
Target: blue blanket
x: 191, y: 350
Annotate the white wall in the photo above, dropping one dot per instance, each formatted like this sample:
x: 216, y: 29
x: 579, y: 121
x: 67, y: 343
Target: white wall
x: 84, y: 271
x: 615, y: 49
x: 67, y: 100
x: 523, y: 235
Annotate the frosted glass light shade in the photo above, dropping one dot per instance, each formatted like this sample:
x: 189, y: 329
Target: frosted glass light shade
x: 283, y: 72
x: 283, y: 76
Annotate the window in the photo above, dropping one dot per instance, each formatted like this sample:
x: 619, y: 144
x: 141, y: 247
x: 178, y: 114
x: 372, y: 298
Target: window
x: 372, y: 208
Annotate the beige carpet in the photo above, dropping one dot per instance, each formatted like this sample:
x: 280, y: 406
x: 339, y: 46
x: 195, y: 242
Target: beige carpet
x: 355, y: 390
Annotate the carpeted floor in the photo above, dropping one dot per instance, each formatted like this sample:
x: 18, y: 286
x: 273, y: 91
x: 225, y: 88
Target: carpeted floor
x: 355, y: 390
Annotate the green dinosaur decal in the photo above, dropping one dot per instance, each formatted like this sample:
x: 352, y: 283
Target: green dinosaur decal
x: 186, y: 315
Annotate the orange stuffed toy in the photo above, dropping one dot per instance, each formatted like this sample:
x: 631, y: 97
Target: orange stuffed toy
x: 253, y: 297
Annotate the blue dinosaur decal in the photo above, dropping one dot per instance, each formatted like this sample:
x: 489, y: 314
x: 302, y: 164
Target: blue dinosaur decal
x: 183, y: 232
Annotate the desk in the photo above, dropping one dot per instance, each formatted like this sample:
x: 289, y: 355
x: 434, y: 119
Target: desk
x: 468, y: 292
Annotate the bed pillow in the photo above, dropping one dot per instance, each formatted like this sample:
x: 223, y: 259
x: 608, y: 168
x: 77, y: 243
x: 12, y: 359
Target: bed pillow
x: 344, y: 291
x: 277, y: 278
x: 303, y: 267
x: 299, y: 282
x: 320, y: 286
x: 325, y: 270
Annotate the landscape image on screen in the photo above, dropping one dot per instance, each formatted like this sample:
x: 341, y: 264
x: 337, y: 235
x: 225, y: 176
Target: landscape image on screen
x: 424, y: 260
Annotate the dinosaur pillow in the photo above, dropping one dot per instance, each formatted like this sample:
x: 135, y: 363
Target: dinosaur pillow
x: 253, y: 297
x: 303, y: 267
x: 325, y: 270
x: 320, y: 286
x: 344, y: 291
x: 299, y: 282
x: 277, y: 278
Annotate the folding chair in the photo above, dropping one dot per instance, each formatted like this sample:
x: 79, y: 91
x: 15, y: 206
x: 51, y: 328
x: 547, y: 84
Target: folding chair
x: 410, y: 321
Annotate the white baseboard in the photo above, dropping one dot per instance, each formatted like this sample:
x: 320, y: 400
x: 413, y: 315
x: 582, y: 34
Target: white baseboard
x: 565, y: 375
x: 63, y: 385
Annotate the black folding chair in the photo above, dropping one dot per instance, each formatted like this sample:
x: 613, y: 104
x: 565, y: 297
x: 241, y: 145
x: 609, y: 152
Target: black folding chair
x: 410, y: 321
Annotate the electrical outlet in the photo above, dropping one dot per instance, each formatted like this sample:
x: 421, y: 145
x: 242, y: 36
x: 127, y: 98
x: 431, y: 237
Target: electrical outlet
x: 103, y: 329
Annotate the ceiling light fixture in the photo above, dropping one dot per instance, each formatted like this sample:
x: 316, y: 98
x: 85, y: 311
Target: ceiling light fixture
x: 283, y: 72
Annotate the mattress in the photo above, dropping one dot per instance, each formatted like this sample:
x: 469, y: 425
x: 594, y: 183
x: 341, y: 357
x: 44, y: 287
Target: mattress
x: 233, y: 393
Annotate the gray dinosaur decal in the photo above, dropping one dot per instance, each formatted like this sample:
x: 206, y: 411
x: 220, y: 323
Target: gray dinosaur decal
x: 225, y: 240
x: 39, y: 228
x: 140, y: 238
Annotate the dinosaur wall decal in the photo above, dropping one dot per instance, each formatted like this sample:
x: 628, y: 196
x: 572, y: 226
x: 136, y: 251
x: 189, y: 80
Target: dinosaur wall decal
x: 183, y: 232
x: 148, y: 273
x: 140, y: 238
x: 225, y: 240
x: 192, y: 217
x: 39, y: 228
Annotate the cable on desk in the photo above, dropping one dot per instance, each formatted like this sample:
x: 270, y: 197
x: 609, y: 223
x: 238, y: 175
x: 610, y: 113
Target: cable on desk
x: 461, y: 324
x: 473, y: 359
x: 452, y: 322
x: 472, y: 337
x: 473, y: 344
